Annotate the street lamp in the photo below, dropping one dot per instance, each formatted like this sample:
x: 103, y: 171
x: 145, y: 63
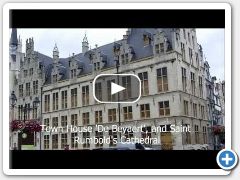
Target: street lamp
x: 36, y: 104
x: 116, y: 59
x: 13, y: 99
x: 25, y: 109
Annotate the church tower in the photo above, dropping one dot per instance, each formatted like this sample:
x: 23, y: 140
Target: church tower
x: 13, y: 45
x: 15, y: 57
x: 85, y: 44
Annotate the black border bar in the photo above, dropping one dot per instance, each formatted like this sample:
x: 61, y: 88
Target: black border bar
x: 138, y: 18
x: 113, y: 159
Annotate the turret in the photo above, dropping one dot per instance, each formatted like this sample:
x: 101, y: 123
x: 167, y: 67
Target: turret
x: 14, y: 40
x: 85, y: 44
x: 29, y: 46
x: 55, y: 54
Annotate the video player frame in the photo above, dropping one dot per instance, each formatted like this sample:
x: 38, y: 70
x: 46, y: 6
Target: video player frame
x: 14, y: 163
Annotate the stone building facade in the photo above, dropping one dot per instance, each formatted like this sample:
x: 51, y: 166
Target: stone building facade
x: 216, y: 109
x: 169, y: 63
x: 27, y: 82
x: 15, y: 57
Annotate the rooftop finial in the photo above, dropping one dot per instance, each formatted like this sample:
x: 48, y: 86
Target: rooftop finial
x: 85, y: 37
x: 55, y: 47
x: 85, y: 44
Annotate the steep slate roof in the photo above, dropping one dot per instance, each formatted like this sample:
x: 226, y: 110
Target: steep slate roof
x: 135, y: 41
x: 14, y: 40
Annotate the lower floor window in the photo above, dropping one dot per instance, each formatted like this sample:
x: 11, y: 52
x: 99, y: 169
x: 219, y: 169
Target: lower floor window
x: 74, y: 144
x: 55, y: 141
x: 86, y: 136
x: 99, y: 135
x: 46, y: 141
x: 113, y: 137
x: 63, y: 141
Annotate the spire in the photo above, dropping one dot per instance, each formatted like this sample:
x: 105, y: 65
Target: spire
x: 14, y: 40
x: 55, y: 54
x: 85, y: 38
x: 55, y: 49
x: 85, y: 45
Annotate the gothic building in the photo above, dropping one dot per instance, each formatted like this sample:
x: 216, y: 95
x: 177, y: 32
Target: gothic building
x: 169, y: 63
x: 27, y: 77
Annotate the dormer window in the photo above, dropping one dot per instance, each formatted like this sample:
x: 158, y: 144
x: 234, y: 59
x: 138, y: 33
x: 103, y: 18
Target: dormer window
x: 116, y: 51
x: 124, y: 58
x: 159, y: 48
x: 97, y: 66
x: 54, y: 80
x: 116, y: 48
x: 146, y: 40
x: 91, y: 56
x: 73, y: 73
x: 103, y: 59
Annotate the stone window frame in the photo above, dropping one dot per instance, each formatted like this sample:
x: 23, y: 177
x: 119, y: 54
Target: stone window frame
x: 64, y: 99
x: 162, y: 79
x: 84, y: 137
x: 185, y: 108
x: 143, y: 76
x: 164, y: 108
x: 86, y: 118
x: 196, y: 134
x: 74, y: 92
x: 193, y: 83
x: 64, y: 120
x: 127, y: 113
x: 55, y: 101
x: 74, y: 145
x: 55, y: 141
x: 64, y: 137
x: 184, y: 79
x: 46, y: 141
x: 145, y: 111
x: 98, y: 135
x: 98, y: 117
x: 74, y: 119
x: 85, y: 95
x: 112, y: 115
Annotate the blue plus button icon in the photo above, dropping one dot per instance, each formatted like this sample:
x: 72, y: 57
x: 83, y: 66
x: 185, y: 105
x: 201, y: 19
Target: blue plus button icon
x: 227, y: 159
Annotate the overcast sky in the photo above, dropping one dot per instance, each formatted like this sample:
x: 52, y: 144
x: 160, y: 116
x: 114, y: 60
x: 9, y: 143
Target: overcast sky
x: 69, y: 41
